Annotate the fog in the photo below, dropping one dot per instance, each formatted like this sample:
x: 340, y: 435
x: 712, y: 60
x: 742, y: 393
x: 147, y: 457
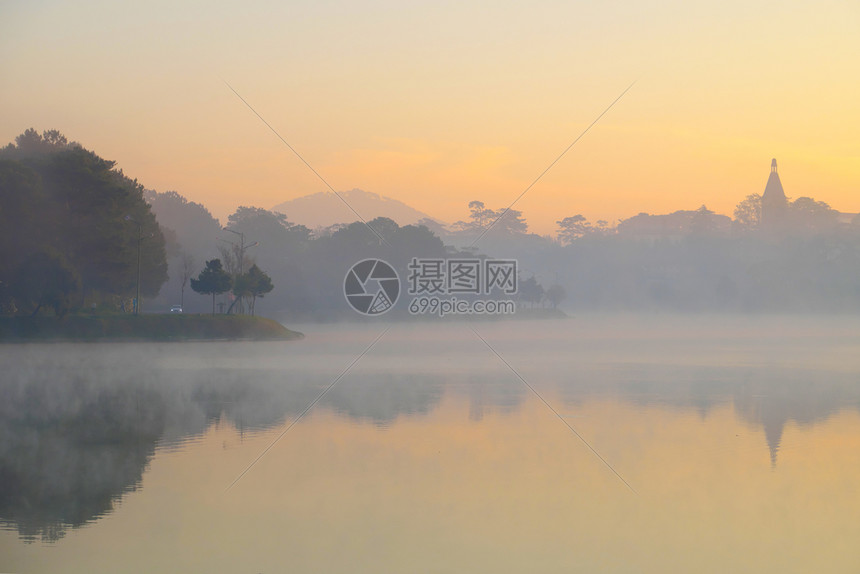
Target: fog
x: 116, y: 242
x: 82, y: 424
x: 691, y: 261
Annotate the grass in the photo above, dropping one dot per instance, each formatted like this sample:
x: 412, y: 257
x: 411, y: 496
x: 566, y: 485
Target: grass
x: 155, y: 327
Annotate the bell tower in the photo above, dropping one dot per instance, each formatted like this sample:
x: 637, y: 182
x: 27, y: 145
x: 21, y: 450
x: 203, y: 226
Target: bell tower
x: 774, y: 204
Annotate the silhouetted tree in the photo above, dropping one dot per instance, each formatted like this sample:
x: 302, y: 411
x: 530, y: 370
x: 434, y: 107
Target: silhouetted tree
x: 702, y: 222
x: 809, y: 215
x: 63, y: 199
x: 434, y: 226
x: 22, y: 203
x: 509, y: 222
x: 480, y: 215
x: 268, y: 227
x: 415, y: 241
x: 602, y: 227
x: 572, y: 228
x: 256, y: 284
x: 748, y: 212
x: 212, y: 280
x: 31, y: 143
x: 384, y: 226
x: 555, y: 295
x: 47, y: 280
x: 530, y: 291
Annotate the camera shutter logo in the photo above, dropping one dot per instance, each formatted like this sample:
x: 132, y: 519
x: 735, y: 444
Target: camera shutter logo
x: 371, y: 287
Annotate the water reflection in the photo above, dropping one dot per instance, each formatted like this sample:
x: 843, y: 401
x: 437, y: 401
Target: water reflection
x: 804, y: 398
x: 68, y: 466
x: 79, y: 425
x: 767, y: 398
x: 78, y: 430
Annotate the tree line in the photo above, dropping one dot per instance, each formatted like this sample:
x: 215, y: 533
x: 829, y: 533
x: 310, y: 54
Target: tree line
x: 689, y: 260
x: 71, y: 224
x: 76, y: 234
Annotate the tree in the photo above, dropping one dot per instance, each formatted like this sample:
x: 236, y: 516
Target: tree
x: 572, y: 228
x: 434, y: 226
x: 530, y: 291
x: 31, y: 143
x: 195, y: 228
x: 480, y: 215
x: 415, y: 241
x: 811, y: 216
x: 212, y: 280
x: 479, y: 218
x: 555, y: 295
x: 47, y: 280
x: 81, y: 206
x: 702, y: 221
x: 21, y: 201
x: 270, y: 228
x: 384, y: 226
x: 602, y: 227
x: 231, y: 257
x: 748, y: 212
x: 509, y: 221
x: 256, y: 284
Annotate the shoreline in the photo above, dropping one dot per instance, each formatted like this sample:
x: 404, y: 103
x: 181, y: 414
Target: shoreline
x: 154, y: 327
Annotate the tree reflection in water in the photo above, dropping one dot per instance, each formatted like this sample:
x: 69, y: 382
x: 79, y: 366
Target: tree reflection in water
x: 78, y: 431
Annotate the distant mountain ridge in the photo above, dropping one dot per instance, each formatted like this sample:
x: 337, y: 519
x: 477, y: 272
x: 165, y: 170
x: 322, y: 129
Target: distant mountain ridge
x: 323, y: 209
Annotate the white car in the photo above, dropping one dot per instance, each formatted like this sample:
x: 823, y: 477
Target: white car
x: 176, y: 309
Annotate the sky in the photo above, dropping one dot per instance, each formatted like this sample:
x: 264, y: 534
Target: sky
x: 440, y: 103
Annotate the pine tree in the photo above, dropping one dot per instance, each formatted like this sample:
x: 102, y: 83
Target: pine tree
x: 212, y: 280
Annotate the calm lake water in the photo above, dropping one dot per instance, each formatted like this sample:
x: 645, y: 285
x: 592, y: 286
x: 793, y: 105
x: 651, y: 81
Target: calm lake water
x: 649, y: 444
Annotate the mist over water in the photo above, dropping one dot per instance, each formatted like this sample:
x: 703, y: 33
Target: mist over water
x: 737, y: 434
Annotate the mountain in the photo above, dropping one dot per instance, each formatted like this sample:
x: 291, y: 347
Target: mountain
x: 324, y: 209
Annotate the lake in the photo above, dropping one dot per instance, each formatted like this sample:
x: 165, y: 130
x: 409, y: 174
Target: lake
x: 601, y: 443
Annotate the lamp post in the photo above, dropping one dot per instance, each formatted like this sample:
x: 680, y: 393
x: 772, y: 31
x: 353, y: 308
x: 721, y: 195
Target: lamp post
x: 139, y: 239
x: 242, y: 248
x: 242, y: 255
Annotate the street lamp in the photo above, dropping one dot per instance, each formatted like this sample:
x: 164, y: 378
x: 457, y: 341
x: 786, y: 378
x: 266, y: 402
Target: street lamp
x: 139, y: 238
x: 242, y: 248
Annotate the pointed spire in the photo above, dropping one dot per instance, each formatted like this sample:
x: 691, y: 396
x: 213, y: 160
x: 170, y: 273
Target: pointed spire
x: 773, y: 200
x: 773, y: 427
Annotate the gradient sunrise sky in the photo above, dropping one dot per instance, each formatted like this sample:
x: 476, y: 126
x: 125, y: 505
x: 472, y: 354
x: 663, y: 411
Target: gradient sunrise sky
x: 439, y: 103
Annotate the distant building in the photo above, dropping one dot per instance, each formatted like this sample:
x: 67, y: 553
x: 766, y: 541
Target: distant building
x: 776, y: 218
x: 774, y: 204
x: 775, y: 215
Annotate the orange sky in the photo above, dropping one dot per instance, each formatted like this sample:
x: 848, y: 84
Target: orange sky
x: 439, y: 103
